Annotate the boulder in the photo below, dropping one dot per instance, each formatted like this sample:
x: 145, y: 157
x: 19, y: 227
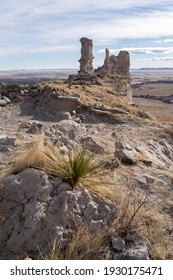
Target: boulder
x: 36, y: 211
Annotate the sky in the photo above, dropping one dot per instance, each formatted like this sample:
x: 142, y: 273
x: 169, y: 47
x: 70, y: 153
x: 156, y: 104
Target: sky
x: 44, y: 34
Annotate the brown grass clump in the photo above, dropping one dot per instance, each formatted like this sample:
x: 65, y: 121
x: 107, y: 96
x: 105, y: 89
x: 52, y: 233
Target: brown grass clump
x: 83, y: 245
x: 33, y: 156
x: 155, y: 228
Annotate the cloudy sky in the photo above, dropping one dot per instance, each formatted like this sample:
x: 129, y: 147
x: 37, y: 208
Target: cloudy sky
x: 45, y: 33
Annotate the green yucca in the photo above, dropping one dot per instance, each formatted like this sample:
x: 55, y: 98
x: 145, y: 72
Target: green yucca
x: 76, y: 167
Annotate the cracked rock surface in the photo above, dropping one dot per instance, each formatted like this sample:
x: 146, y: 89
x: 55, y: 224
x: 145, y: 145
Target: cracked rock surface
x: 37, y: 211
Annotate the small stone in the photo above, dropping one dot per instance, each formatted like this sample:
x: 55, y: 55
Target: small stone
x: 6, y: 99
x: 3, y: 102
x: 63, y: 150
x: 118, y: 243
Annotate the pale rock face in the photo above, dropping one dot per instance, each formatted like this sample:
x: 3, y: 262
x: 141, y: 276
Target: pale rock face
x: 123, y: 63
x: 86, y: 59
x: 158, y: 153
x: 116, y: 64
x: 37, y: 211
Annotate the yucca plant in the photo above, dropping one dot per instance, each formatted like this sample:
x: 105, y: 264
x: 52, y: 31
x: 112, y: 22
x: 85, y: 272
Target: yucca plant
x: 77, y: 166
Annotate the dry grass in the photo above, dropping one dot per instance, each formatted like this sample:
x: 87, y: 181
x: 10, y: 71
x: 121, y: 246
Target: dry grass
x: 154, y: 227
x: 83, y: 245
x: 31, y: 155
x: 138, y: 213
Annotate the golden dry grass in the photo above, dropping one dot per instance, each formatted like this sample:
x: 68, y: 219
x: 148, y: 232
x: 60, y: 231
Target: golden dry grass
x: 30, y: 155
x: 137, y: 212
x: 83, y: 245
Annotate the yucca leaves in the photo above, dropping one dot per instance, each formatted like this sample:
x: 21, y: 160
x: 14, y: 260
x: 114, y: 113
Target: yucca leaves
x: 77, y: 166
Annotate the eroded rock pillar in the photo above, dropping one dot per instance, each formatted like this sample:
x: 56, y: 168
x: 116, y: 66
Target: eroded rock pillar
x: 86, y: 59
x: 123, y: 63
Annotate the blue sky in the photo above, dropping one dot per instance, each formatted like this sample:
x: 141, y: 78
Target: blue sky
x: 45, y: 33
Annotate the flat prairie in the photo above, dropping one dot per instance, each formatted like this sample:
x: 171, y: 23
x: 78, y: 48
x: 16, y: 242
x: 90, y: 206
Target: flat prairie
x: 158, y: 83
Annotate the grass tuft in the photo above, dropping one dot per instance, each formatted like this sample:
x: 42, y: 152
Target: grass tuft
x: 77, y: 167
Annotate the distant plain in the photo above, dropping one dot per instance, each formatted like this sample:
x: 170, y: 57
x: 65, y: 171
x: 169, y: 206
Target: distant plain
x: 154, y: 83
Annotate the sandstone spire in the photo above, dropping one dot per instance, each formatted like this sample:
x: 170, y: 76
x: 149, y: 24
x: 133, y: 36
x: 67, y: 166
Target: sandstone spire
x: 86, y: 56
x: 123, y: 63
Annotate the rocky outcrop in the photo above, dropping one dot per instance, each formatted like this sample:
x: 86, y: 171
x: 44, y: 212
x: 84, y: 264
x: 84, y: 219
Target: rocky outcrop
x: 113, y: 65
x: 123, y: 63
x: 159, y: 153
x: 37, y: 211
x: 116, y: 65
x: 86, y: 56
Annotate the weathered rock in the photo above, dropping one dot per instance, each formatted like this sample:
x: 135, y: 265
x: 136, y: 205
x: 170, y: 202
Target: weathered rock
x: 6, y: 99
x: 145, y: 180
x: 132, y: 247
x: 125, y: 153
x: 86, y: 56
x: 70, y: 128
x: 136, y: 248
x: 123, y: 63
x: 37, y: 212
x: 116, y: 65
x: 91, y: 145
x: 159, y: 153
x: 7, y: 140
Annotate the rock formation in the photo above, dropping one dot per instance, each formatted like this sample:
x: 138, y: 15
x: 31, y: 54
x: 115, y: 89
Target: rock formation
x: 116, y: 65
x: 123, y: 63
x: 86, y: 56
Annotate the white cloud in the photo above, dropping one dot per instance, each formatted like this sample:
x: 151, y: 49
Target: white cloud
x: 166, y: 58
x: 164, y: 41
x: 143, y: 50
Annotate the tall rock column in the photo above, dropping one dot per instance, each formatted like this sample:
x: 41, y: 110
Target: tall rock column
x: 86, y: 59
x: 106, y: 65
x: 123, y: 63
